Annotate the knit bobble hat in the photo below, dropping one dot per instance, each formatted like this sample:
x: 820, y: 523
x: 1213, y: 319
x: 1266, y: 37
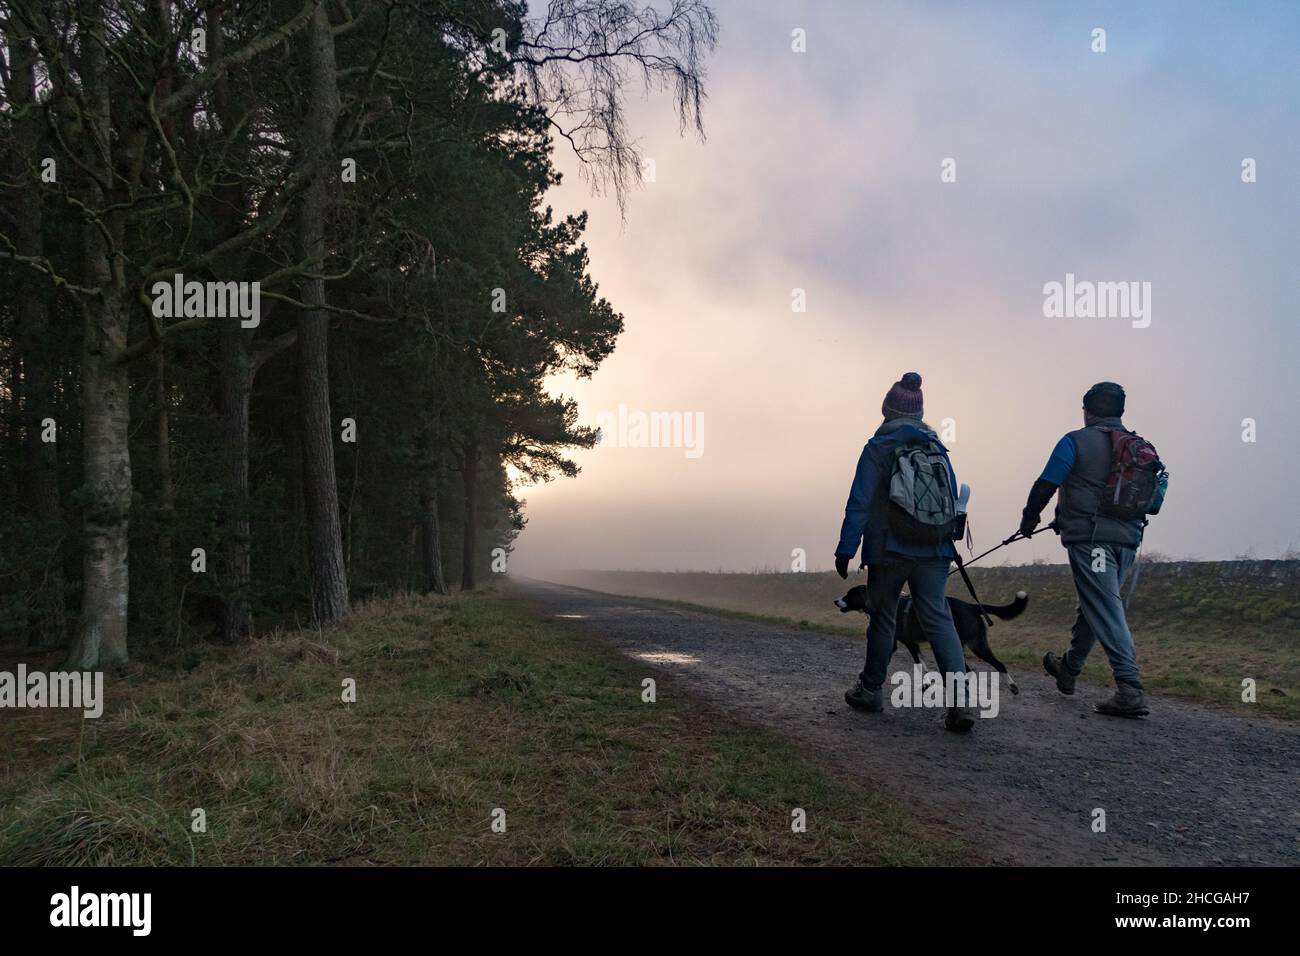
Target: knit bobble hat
x: 904, y: 398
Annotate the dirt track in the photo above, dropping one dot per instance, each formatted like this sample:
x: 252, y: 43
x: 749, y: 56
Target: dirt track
x: 1188, y: 786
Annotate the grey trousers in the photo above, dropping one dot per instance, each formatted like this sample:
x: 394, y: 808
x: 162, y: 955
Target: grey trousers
x: 1100, y: 614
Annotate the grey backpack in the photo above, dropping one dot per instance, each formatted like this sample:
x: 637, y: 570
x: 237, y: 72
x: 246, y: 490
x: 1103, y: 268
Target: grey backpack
x: 922, y: 509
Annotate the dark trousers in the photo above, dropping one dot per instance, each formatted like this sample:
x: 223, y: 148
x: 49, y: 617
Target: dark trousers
x: 928, y: 580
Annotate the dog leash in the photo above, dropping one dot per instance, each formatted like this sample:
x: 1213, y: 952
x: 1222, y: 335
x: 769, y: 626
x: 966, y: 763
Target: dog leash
x: 970, y: 586
x: 1015, y: 537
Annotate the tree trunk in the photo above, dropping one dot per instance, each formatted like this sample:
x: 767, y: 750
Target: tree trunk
x: 431, y: 533
x: 238, y: 368
x: 105, y: 415
x: 320, y: 486
x: 469, y: 540
x: 105, y: 402
x: 166, y: 501
x: 236, y: 619
x: 49, y: 627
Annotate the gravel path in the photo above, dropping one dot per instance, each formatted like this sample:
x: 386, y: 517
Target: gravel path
x: 1186, y: 786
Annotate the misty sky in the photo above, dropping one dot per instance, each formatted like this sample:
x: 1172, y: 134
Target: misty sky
x: 821, y: 171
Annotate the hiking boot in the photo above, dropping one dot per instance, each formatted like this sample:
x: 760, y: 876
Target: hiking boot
x: 960, y: 720
x: 1055, y: 667
x: 860, y: 698
x: 1127, y: 701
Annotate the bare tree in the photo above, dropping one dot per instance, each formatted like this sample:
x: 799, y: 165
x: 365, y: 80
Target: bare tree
x: 580, y: 57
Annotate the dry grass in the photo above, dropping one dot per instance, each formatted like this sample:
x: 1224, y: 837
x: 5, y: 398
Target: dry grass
x: 464, y: 704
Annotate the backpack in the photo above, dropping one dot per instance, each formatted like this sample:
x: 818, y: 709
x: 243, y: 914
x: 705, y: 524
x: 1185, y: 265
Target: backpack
x: 1136, y: 480
x: 922, y: 509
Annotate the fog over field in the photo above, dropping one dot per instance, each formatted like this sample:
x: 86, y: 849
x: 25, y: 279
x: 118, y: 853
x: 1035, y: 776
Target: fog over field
x: 821, y: 172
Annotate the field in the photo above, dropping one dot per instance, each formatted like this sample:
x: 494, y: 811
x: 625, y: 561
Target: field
x: 464, y: 705
x: 1201, y: 627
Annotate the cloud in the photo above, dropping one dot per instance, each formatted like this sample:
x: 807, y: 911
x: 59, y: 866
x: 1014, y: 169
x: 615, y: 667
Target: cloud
x: 821, y: 171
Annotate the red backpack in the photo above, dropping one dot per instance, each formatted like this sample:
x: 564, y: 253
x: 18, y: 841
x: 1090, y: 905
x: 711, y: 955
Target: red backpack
x: 1133, y: 484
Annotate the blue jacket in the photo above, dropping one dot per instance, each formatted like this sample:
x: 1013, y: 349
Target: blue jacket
x: 865, y: 516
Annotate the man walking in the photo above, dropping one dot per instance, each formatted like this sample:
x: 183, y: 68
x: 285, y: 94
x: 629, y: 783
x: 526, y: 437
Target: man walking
x: 1100, y: 520
x: 904, y: 550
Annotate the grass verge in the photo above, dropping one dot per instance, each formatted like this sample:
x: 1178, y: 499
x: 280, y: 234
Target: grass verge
x: 464, y: 704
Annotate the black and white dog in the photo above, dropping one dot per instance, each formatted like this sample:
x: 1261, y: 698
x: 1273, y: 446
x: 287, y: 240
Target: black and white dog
x: 972, y: 630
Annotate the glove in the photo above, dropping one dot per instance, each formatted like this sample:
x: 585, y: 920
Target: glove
x: 1039, y: 495
x: 842, y: 565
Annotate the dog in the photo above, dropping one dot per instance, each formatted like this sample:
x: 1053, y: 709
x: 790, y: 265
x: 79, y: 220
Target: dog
x: 971, y: 629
